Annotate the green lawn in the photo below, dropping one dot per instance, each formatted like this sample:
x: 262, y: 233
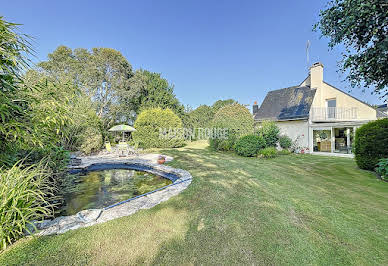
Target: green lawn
x: 295, y: 209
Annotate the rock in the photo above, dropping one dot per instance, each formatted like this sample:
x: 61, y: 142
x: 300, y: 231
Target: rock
x: 91, y: 215
x: 43, y: 224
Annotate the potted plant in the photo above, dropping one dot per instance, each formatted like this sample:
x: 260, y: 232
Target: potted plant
x: 161, y: 159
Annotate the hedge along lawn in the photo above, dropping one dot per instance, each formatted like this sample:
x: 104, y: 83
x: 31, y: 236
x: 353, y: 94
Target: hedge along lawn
x: 293, y: 209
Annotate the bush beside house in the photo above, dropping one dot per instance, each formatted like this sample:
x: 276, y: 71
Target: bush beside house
x: 264, y: 142
x: 371, y: 144
x: 284, y: 152
x: 270, y: 132
x: 148, y: 124
x: 382, y: 169
x: 285, y: 142
x: 239, y: 122
x: 269, y: 152
x: 249, y: 145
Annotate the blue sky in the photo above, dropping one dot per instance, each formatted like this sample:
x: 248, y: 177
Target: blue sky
x: 209, y: 50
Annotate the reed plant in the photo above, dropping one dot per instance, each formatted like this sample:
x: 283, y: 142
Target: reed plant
x: 24, y: 194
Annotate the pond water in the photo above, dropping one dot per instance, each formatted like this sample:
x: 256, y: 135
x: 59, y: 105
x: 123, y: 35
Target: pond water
x: 98, y: 189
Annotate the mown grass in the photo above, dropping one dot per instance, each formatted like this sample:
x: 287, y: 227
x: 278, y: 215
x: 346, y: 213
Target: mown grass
x: 294, y: 209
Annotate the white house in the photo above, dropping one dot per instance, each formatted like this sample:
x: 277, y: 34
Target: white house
x: 315, y: 114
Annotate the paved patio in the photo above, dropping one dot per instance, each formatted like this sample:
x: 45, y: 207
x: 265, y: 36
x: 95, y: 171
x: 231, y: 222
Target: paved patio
x: 150, y: 158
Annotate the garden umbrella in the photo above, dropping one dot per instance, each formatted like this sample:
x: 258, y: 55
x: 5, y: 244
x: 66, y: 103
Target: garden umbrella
x: 122, y: 128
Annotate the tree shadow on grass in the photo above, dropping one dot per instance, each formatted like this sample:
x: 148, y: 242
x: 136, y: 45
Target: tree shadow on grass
x: 244, y: 212
x: 236, y: 210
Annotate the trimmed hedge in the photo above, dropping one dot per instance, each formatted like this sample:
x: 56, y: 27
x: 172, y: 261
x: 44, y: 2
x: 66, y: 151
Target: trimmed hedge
x: 239, y: 122
x: 371, y: 144
x: 249, y: 145
x: 148, y: 125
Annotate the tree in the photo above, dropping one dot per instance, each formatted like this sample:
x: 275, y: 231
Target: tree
x: 237, y: 120
x: 150, y: 90
x: 61, y: 65
x: 103, y: 74
x: 362, y: 27
x: 201, y: 117
x: 221, y: 103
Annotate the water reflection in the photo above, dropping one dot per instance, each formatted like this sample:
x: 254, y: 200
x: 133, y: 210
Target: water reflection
x: 99, y: 189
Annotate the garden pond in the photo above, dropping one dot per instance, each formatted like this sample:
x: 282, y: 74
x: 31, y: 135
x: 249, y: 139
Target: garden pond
x: 99, y: 189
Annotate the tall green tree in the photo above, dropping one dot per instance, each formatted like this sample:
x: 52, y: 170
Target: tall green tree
x: 102, y: 73
x: 221, y: 103
x: 362, y: 27
x: 201, y: 117
x: 150, y: 90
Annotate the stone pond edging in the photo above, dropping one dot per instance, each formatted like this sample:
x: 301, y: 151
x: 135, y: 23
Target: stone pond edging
x: 91, y: 217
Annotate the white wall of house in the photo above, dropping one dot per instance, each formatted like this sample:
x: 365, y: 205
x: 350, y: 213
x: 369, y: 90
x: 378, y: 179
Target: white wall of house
x: 298, y: 129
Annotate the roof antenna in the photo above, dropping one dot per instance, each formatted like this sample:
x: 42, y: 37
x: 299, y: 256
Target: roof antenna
x: 308, y: 54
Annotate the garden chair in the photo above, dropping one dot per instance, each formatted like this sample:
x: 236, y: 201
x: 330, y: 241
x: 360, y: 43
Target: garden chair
x: 108, y: 147
x: 122, y: 148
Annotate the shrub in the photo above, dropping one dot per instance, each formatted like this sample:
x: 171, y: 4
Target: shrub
x: 269, y: 152
x: 270, y: 132
x: 54, y: 158
x: 148, y: 125
x: 285, y: 142
x: 223, y: 144
x: 92, y: 141
x: 382, y: 169
x: 249, y: 145
x: 284, y: 152
x: 371, y: 144
x: 239, y: 122
x: 23, y: 193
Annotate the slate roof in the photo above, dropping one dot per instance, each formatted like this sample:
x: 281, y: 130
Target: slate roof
x: 291, y: 103
x: 382, y: 110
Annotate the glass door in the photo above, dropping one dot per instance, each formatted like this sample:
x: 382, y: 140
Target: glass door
x: 322, y: 140
x: 343, y: 140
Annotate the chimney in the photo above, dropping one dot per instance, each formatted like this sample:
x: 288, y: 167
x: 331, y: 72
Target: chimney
x: 255, y: 108
x: 316, y: 75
